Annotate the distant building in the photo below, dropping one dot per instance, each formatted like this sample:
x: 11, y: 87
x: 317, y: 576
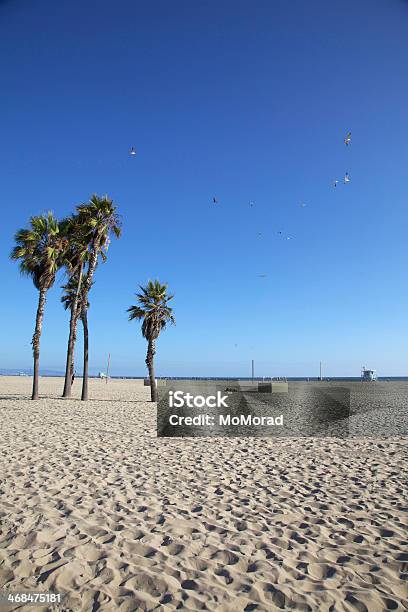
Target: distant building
x: 368, y: 375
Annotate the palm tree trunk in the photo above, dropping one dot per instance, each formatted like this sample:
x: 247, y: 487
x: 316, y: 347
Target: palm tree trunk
x: 72, y: 367
x: 151, y: 350
x: 71, y: 338
x: 36, y: 340
x: 84, y: 318
x: 93, y: 262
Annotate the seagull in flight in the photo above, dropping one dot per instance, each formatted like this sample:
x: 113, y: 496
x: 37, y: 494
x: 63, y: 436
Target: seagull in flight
x: 215, y: 200
x: 346, y: 178
x: 251, y: 203
x: 335, y: 183
x: 302, y: 205
x: 262, y: 275
x: 347, y: 139
x: 132, y: 151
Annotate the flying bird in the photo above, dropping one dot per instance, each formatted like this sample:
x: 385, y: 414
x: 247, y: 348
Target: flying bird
x: 262, y: 275
x: 347, y: 139
x: 251, y: 203
x: 287, y: 237
x: 215, y: 201
x: 346, y: 178
x: 302, y: 205
x: 132, y: 151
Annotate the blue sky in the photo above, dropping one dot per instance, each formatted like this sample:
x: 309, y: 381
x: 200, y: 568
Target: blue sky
x: 238, y: 100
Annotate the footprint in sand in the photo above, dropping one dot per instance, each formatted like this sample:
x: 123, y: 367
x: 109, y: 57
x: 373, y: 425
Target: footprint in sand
x: 346, y: 522
x: 189, y: 585
x: 225, y: 556
x: 322, y: 571
x: 89, y: 552
x: 175, y: 549
x: 357, y: 604
x: 274, y: 595
x: 225, y: 574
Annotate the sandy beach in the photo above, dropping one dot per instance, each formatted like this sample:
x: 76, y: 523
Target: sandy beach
x: 94, y: 506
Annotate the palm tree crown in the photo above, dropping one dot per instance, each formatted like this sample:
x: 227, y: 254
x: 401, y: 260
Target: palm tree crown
x: 40, y: 250
x: 98, y: 218
x: 77, y: 251
x: 70, y: 295
x: 154, y: 310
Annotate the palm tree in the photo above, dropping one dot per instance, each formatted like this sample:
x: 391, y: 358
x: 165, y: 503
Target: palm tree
x: 155, y: 313
x: 98, y: 219
x: 40, y: 250
x: 75, y: 258
x: 71, y: 300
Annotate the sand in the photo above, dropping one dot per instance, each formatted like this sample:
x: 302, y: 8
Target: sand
x: 95, y: 507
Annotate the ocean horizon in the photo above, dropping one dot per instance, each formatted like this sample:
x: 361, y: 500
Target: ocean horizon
x: 59, y: 374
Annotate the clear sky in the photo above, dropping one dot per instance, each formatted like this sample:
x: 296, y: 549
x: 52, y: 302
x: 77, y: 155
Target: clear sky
x: 245, y: 101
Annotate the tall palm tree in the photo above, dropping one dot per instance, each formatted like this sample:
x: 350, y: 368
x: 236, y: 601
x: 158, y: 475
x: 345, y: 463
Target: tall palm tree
x: 40, y: 250
x: 155, y: 313
x: 99, y: 219
x: 76, y: 256
x: 71, y: 300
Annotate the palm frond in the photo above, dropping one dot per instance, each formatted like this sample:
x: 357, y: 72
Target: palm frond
x: 70, y: 291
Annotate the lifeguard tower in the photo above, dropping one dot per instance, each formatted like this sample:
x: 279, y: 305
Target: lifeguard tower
x: 368, y: 375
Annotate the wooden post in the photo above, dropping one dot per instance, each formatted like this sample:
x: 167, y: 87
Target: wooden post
x: 107, y: 369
